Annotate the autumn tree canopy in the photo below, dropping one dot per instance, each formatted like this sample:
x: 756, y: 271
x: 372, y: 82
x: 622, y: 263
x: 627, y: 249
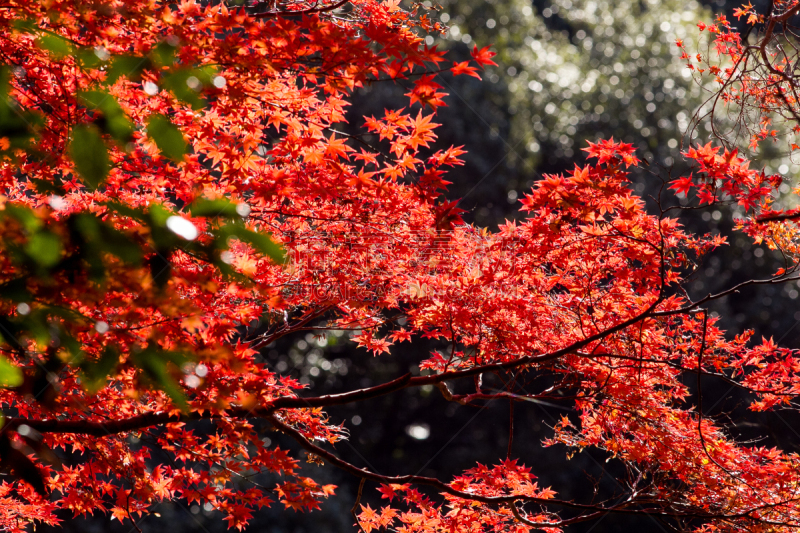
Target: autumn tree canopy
x: 177, y: 195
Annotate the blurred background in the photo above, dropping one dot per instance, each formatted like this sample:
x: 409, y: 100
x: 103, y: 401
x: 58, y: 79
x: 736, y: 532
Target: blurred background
x: 569, y: 71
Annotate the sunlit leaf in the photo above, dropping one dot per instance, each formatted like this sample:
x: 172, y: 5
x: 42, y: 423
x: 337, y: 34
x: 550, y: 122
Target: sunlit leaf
x: 10, y: 374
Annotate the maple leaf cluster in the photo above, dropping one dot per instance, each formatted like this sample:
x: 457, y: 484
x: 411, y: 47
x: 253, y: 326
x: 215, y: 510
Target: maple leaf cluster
x: 753, y: 78
x: 173, y: 173
x: 159, y: 162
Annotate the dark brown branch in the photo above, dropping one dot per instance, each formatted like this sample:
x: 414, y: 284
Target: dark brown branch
x: 694, y: 306
x: 629, y: 506
x: 775, y: 218
x: 557, y: 524
x: 510, y: 427
x: 310, y: 11
x: 102, y: 429
x: 355, y: 504
x: 364, y: 473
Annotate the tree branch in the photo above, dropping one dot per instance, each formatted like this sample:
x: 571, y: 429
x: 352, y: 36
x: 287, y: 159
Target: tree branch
x: 310, y: 11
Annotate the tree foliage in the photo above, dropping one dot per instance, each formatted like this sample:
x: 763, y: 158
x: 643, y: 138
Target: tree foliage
x: 178, y: 195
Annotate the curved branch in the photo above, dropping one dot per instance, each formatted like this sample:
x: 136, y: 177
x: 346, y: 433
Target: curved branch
x: 694, y: 306
x: 625, y: 507
x: 778, y: 218
x: 560, y: 523
x: 309, y: 11
x: 355, y: 504
x: 103, y: 429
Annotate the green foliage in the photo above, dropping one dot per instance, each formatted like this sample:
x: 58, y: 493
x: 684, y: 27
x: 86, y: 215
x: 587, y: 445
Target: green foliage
x: 187, y: 83
x: 130, y: 67
x: 24, y: 215
x: 44, y: 247
x: 95, y: 374
x: 261, y: 242
x: 42, y: 250
x: 95, y: 237
x: 167, y: 137
x: 219, y: 207
x: 17, y: 127
x: 90, y: 155
x: 10, y: 374
x: 164, y: 54
x: 82, y: 243
x: 158, y: 366
x: 111, y: 119
x: 56, y: 45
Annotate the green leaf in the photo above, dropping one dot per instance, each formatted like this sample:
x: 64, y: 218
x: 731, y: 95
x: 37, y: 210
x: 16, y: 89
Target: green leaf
x: 16, y: 125
x: 228, y: 271
x: 164, y: 54
x: 134, y: 213
x: 89, y: 154
x: 36, y: 325
x: 167, y: 137
x: 159, y: 214
x: 56, y: 45
x: 128, y: 66
x: 44, y: 247
x: 10, y: 333
x: 160, y: 269
x: 94, y: 375
x: 73, y: 346
x: 5, y: 81
x: 103, y: 237
x: 155, y: 363
x: 88, y: 58
x: 24, y: 215
x: 260, y: 241
x: 24, y: 24
x: 10, y: 374
x: 187, y: 83
x: 98, y: 100
x: 219, y: 207
x: 88, y: 225
x: 48, y: 186
x: 113, y: 119
x: 123, y: 247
